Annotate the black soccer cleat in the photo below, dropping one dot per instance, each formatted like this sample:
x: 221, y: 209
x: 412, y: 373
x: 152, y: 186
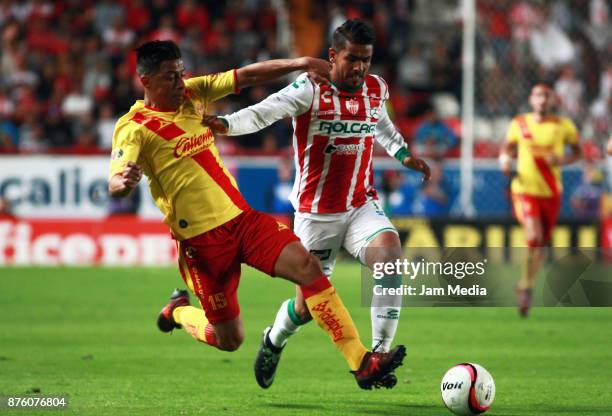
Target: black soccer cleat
x: 378, y: 365
x: 165, y: 321
x: 386, y: 382
x: 266, y: 361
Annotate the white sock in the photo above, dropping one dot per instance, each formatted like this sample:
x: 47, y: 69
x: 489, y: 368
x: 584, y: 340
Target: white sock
x: 286, y: 324
x: 385, y: 313
x: 384, y: 326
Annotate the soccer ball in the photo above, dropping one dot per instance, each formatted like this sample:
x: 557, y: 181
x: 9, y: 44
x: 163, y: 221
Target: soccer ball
x: 467, y: 389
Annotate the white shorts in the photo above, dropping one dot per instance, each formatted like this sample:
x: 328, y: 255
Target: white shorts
x: 324, y: 234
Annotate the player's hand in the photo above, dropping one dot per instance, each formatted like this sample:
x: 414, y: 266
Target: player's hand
x: 216, y: 124
x: 121, y: 184
x: 131, y: 175
x: 505, y: 164
x: 419, y: 165
x: 318, y: 70
x: 507, y: 169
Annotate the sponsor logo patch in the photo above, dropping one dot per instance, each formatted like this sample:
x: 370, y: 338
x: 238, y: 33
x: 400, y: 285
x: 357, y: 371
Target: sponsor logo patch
x: 374, y: 112
x: 189, y: 146
x: 330, y: 320
x: 324, y: 113
x: 117, y: 154
x: 346, y: 127
x: 344, y: 149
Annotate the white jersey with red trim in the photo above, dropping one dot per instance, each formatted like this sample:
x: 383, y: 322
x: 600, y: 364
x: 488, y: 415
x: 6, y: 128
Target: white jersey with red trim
x: 333, y: 139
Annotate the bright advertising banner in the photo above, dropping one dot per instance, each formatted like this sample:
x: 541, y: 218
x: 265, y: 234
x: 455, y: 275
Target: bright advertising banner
x: 62, y: 187
x: 115, y: 241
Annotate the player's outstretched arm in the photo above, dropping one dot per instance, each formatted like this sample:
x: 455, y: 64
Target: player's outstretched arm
x: 262, y: 72
x: 393, y: 142
x: 121, y: 184
x: 292, y: 101
x: 609, y: 149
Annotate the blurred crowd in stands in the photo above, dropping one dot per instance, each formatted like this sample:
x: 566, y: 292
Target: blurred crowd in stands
x: 67, y: 67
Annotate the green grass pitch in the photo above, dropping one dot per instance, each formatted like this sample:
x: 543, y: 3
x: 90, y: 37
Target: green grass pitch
x: 90, y: 333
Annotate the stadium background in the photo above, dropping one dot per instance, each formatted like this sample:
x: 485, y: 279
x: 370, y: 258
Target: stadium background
x: 67, y: 73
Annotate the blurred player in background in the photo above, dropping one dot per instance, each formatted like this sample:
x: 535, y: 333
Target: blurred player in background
x: 162, y: 136
x: 336, y: 205
x: 609, y: 147
x: 539, y: 140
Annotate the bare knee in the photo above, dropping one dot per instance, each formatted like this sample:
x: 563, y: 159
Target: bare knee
x: 375, y: 255
x: 307, y: 270
x: 231, y: 342
x: 229, y: 335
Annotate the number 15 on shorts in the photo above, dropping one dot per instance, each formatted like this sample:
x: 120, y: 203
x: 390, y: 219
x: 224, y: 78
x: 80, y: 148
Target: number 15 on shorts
x: 217, y: 301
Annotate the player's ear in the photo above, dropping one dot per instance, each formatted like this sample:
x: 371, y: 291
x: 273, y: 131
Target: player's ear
x: 331, y: 53
x: 145, y: 80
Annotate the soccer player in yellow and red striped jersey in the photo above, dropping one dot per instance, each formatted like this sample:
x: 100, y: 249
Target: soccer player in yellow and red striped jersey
x: 163, y: 137
x: 540, y: 140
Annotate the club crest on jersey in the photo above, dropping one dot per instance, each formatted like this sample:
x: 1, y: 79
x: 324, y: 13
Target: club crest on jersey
x: 162, y: 124
x: 352, y: 106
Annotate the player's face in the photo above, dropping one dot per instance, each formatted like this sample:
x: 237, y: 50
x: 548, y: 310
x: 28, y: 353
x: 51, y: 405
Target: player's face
x: 166, y: 87
x: 350, y: 65
x: 542, y: 99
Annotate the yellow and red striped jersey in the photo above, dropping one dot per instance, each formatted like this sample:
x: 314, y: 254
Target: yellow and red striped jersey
x: 188, y: 180
x: 535, y: 141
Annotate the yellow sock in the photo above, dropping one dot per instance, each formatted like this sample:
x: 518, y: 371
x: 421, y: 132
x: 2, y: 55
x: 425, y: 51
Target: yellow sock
x: 330, y: 314
x: 195, y: 323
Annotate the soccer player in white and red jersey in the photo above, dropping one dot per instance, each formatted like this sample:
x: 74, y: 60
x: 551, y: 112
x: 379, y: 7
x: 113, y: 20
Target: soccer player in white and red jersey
x: 335, y: 127
x: 163, y: 137
x: 543, y: 142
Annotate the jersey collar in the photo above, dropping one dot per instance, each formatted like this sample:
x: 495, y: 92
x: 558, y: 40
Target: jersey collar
x: 159, y: 109
x: 348, y: 90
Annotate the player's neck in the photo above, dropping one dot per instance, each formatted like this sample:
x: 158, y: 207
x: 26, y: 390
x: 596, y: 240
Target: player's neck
x: 156, y: 106
x: 540, y: 117
x: 346, y: 88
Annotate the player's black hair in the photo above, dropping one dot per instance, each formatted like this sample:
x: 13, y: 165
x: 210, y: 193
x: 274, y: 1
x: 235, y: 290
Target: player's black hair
x: 354, y: 31
x: 150, y: 55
